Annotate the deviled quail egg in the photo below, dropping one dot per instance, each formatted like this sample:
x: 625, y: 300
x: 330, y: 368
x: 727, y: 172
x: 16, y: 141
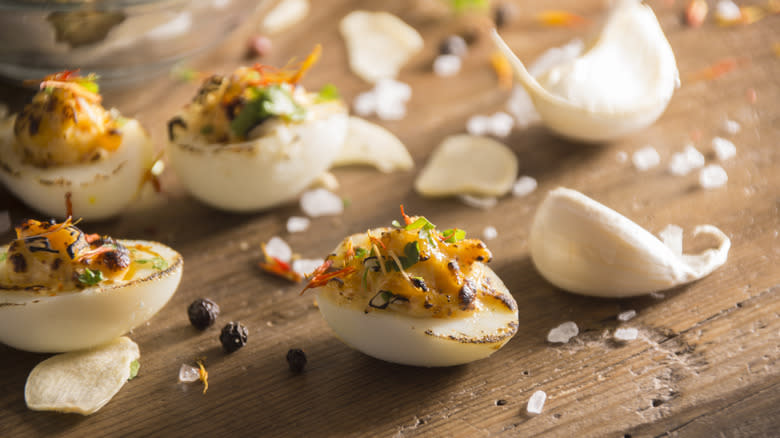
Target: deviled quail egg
x: 63, y: 290
x: 66, y: 144
x: 255, y: 138
x: 415, y: 295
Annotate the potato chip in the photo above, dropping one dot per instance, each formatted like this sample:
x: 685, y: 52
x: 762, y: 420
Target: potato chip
x: 468, y: 164
x: 285, y: 15
x: 369, y: 143
x: 81, y: 382
x: 379, y: 44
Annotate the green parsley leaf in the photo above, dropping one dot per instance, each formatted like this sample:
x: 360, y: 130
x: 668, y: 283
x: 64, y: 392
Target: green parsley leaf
x: 272, y: 101
x: 421, y: 222
x: 158, y: 263
x: 89, y: 83
x: 90, y: 277
x: 360, y: 252
x: 3, y: 256
x: 453, y: 235
x: 134, y: 365
x: 327, y: 93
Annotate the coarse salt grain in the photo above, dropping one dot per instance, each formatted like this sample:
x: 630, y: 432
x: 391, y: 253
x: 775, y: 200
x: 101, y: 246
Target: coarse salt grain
x: 297, y: 224
x: 563, y: 333
x: 626, y: 334
x: 364, y: 104
x: 522, y: 107
x: 672, y: 237
x: 712, y: 177
x: 627, y: 315
x: 727, y: 10
x: 524, y: 186
x: 536, y: 402
x: 489, y: 233
x: 306, y: 266
x: 501, y: 124
x: 645, y: 158
x: 683, y: 162
x: 478, y: 125
x: 731, y: 127
x: 621, y: 156
x: 556, y: 56
x: 483, y: 202
x: 446, y: 65
x: 724, y: 149
x: 5, y: 221
x: 320, y: 202
x: 188, y: 373
x: 278, y: 248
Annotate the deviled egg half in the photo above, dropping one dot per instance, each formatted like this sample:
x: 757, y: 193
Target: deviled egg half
x: 63, y: 290
x: 255, y: 138
x: 414, y: 295
x: 65, y: 144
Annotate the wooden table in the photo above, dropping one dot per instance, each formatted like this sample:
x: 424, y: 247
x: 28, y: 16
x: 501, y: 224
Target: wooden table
x: 705, y: 361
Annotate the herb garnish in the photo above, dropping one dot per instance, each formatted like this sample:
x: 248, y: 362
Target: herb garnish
x: 327, y: 93
x: 360, y: 252
x: 134, y: 365
x: 266, y: 103
x: 383, y: 298
x: 158, y: 263
x: 90, y: 277
x: 410, y: 257
x: 453, y: 235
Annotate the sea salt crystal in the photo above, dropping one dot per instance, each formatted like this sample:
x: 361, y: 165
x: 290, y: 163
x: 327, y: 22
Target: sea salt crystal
x: 478, y: 125
x: 672, y: 237
x: 626, y: 315
x: 563, y: 333
x: 188, y: 373
x: 731, y: 127
x: 724, y: 149
x: 501, y: 124
x: 522, y: 107
x: 524, y: 186
x: 536, y: 402
x: 306, y: 266
x: 489, y: 233
x: 626, y: 334
x: 483, y: 202
x: 727, y: 10
x: 446, y: 65
x: 390, y: 110
x: 320, y: 202
x: 297, y: 224
x: 5, y: 221
x: 712, y: 177
x: 391, y: 89
x: 645, y: 158
x: 683, y: 162
x: 556, y: 56
x: 278, y: 248
x: 364, y: 104
x: 621, y: 157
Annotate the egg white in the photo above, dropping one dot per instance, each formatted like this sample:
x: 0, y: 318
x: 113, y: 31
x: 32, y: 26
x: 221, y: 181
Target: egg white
x: 422, y: 341
x: 266, y: 171
x: 98, y: 190
x: 52, y: 321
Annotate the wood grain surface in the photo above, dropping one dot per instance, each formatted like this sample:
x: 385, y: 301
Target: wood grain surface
x: 706, y: 359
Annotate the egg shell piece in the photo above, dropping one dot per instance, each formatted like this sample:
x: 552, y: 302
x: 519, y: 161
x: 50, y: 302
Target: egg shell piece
x: 57, y: 321
x: 468, y: 164
x: 264, y: 172
x: 81, y: 382
x: 98, y: 190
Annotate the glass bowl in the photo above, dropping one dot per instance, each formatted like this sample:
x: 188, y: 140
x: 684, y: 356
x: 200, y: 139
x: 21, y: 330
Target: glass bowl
x: 122, y: 41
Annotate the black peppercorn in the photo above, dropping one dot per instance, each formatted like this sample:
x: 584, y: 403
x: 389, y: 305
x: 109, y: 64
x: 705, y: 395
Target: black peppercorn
x: 203, y: 312
x: 453, y: 45
x: 233, y: 336
x: 296, y: 359
x: 502, y: 14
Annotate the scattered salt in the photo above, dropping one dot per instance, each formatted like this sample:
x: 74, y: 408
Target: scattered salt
x: 672, y: 237
x: 390, y: 110
x: 188, y: 373
x: 627, y: 315
x: 320, y: 202
x: 536, y: 402
x: 626, y: 334
x: 727, y: 10
x: 724, y: 149
x: 306, y: 266
x: 524, y: 186
x: 364, y: 104
x: 278, y: 248
x: 478, y: 125
x: 446, y: 65
x: 391, y: 89
x: 5, y: 221
x: 387, y: 100
x: 683, y: 162
x: 712, y: 177
x: 556, y: 56
x: 296, y: 224
x: 522, y: 107
x: 489, y: 233
x: 483, y: 202
x: 731, y: 127
x: 645, y: 158
x: 563, y: 333
x: 501, y: 124
x: 621, y: 157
